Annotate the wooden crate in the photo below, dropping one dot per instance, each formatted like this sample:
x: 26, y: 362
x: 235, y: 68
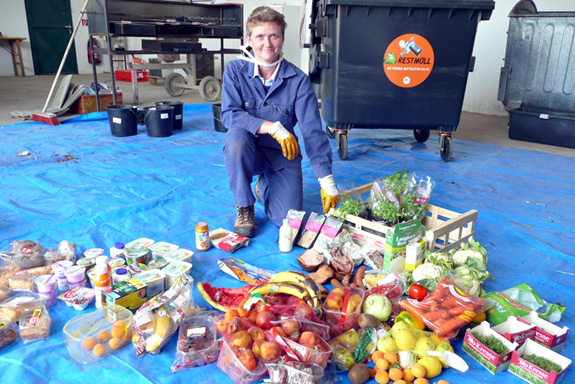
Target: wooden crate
x: 445, y: 229
x: 87, y: 103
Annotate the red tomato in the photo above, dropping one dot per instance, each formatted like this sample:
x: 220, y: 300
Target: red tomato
x: 417, y: 292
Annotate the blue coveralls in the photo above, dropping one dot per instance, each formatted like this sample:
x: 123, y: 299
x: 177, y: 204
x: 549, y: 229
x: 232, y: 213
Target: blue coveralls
x: 245, y: 107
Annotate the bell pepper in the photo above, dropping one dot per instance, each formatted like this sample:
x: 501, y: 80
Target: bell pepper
x: 409, y: 319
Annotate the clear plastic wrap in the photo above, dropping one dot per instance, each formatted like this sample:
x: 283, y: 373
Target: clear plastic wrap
x: 416, y: 196
x: 158, y: 319
x: 28, y: 254
x: 295, y: 372
x: 446, y: 309
x: 8, y: 332
x: 34, y: 324
x: 197, y: 341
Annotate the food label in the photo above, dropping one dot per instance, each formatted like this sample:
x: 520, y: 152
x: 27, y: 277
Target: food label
x: 196, y: 332
x: 408, y: 60
x: 26, y: 250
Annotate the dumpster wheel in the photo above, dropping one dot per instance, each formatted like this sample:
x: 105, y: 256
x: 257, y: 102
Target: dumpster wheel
x: 421, y: 135
x: 445, y: 146
x: 330, y: 132
x: 210, y: 89
x: 341, y: 143
x: 175, y: 84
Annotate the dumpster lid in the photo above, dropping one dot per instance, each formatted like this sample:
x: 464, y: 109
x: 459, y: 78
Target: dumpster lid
x: 487, y: 5
x: 523, y: 7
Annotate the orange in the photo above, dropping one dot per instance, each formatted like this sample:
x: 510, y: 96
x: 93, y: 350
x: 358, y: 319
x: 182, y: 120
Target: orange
x: 115, y: 343
x: 103, y: 336
x: 443, y: 382
x: 400, y: 382
x: 382, y: 364
x: 89, y: 343
x: 231, y: 314
x: 418, y: 370
x: 99, y: 350
x: 391, y: 356
x: 376, y: 355
x: 421, y: 380
x: 395, y: 374
x: 408, y: 375
x: 382, y: 377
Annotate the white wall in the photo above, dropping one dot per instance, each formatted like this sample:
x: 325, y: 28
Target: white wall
x: 482, y: 86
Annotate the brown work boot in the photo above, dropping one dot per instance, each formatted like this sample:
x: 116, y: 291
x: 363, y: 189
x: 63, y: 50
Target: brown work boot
x: 245, y: 225
x: 257, y: 187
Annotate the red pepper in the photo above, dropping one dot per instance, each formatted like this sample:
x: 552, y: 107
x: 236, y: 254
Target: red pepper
x: 417, y: 292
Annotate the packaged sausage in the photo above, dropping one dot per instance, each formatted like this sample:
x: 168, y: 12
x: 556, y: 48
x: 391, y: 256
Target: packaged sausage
x: 311, y: 230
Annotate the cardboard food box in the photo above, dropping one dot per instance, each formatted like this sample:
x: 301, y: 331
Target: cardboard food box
x: 547, y: 333
x: 515, y: 330
x: 227, y: 240
x: 87, y: 103
x: 490, y: 359
x: 130, y: 294
x: 531, y: 372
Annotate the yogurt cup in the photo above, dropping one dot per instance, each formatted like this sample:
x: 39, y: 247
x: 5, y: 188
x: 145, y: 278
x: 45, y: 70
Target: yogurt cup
x: 154, y: 280
x: 92, y: 253
x: 75, y: 274
x: 158, y: 263
x: 79, y: 297
x: 47, y: 287
x: 161, y: 249
x: 175, y: 270
x: 59, y: 269
x: 180, y: 254
x: 77, y: 284
x: 86, y: 262
x: 116, y: 262
x: 138, y: 268
x: 138, y: 255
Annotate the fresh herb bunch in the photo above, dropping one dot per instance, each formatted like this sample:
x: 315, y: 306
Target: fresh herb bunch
x: 349, y: 206
x: 493, y: 343
x: 384, y: 210
x: 408, y: 209
x: 397, y: 182
x: 543, y: 363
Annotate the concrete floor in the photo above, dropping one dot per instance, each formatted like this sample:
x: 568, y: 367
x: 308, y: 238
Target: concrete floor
x: 30, y: 93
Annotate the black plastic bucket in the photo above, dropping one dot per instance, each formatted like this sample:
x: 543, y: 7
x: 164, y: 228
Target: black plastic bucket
x: 217, y: 111
x: 123, y: 120
x: 160, y: 121
x: 178, y: 112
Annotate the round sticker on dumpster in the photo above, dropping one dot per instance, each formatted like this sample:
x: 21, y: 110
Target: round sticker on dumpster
x: 408, y: 60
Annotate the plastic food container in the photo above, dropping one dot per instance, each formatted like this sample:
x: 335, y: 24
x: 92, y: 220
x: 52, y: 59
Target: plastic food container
x: 197, y: 342
x: 138, y: 255
x: 179, y: 255
x: 75, y: 274
x: 295, y: 372
x: 134, y: 269
x: 141, y: 242
x: 116, y: 262
x: 78, y: 297
x: 154, y: 279
x: 162, y: 248
x: 92, y: 253
x: 158, y: 263
x: 48, y: 287
x: 59, y: 269
x: 229, y: 363
x: 93, y: 336
x: 175, y: 270
x: 338, y: 322
x: 320, y: 355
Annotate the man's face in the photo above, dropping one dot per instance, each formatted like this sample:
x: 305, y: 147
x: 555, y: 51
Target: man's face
x: 266, y: 40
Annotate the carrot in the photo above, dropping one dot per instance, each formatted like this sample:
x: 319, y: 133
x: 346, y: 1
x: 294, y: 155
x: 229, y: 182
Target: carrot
x: 434, y: 315
x: 450, y: 326
x: 455, y: 311
x: 450, y: 302
x: 413, y: 309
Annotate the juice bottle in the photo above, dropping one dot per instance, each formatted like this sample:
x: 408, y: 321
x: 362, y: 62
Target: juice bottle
x: 102, y: 278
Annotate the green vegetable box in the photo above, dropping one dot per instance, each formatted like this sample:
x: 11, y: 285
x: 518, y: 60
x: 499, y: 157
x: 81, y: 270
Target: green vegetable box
x: 538, y: 364
x: 441, y: 228
x: 488, y: 347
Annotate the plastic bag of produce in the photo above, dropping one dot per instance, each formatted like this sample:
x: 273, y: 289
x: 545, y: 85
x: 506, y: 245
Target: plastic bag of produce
x: 446, y: 309
x: 157, y: 320
x: 415, y: 196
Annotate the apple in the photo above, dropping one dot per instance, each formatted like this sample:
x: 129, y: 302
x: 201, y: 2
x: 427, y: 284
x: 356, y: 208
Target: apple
x: 377, y: 305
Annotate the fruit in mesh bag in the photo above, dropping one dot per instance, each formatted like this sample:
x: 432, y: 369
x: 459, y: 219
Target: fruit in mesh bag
x: 432, y: 365
x: 423, y: 344
x: 405, y: 340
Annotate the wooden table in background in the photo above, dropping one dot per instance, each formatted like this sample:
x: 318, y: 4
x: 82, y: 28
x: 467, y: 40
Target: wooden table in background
x: 16, y: 53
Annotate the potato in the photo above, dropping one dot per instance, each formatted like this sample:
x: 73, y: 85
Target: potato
x: 366, y: 320
x: 359, y: 373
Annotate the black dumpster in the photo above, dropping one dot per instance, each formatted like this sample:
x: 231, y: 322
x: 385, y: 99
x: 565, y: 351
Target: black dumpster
x: 394, y: 64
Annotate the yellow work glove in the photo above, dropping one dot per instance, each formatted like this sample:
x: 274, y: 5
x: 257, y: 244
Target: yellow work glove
x: 329, y: 193
x: 290, y: 148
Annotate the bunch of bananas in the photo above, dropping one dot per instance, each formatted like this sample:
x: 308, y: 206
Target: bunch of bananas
x: 157, y: 331
x: 291, y: 283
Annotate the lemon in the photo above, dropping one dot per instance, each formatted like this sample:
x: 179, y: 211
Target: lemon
x: 432, y: 365
x: 398, y: 327
x: 423, y: 344
x: 386, y: 344
x: 404, y: 339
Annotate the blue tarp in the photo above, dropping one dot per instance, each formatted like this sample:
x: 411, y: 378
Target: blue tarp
x: 80, y: 183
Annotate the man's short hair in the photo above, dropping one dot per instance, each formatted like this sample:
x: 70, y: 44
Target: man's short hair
x: 265, y: 15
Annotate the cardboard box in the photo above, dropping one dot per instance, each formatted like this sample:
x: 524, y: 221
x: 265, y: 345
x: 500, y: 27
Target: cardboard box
x: 547, y: 333
x: 414, y: 253
x: 130, y: 294
x: 491, y: 360
x: 532, y: 373
x: 87, y: 103
x: 515, y: 330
